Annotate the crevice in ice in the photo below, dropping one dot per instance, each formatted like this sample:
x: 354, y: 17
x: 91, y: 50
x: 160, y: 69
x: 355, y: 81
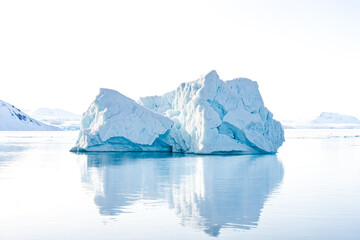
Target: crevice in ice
x: 238, y: 135
x: 218, y: 108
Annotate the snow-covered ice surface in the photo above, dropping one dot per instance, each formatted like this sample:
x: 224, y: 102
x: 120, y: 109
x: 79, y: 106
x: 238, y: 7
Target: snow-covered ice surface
x: 13, y: 119
x: 206, y: 116
x: 57, y: 117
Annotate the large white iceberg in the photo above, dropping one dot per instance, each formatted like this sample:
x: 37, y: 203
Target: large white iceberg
x: 206, y: 116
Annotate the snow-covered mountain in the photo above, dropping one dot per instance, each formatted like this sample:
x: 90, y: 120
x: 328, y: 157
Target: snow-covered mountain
x: 325, y: 120
x: 13, y: 119
x: 57, y: 117
x: 206, y: 116
x: 335, y: 118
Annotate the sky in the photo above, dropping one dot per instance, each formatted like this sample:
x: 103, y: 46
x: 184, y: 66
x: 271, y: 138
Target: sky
x: 305, y: 55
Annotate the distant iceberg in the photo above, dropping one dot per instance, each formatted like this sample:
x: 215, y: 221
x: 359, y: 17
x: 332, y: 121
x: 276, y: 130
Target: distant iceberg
x: 206, y: 116
x: 13, y: 119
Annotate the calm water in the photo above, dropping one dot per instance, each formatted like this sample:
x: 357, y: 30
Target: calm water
x: 309, y: 190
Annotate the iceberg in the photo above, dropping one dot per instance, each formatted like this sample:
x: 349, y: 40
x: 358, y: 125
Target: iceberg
x: 115, y: 122
x: 13, y: 119
x: 206, y: 116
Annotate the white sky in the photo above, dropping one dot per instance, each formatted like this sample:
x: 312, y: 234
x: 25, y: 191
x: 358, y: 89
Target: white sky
x: 305, y: 55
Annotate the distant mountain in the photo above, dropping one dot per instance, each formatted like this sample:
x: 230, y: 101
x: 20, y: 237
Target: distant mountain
x: 55, y: 112
x: 335, y: 118
x: 13, y: 119
x: 325, y: 120
x: 57, y: 117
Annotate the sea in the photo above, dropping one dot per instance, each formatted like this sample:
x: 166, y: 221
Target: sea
x: 310, y: 189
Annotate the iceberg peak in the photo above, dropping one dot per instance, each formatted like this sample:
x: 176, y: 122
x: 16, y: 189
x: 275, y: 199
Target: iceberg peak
x: 212, y: 75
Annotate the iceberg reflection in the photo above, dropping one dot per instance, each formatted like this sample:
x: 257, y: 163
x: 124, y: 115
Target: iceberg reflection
x: 206, y: 192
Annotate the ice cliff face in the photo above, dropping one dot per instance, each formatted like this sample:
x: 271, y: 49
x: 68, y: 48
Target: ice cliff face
x: 213, y: 116
x: 13, y: 119
x: 206, y: 116
x: 114, y: 122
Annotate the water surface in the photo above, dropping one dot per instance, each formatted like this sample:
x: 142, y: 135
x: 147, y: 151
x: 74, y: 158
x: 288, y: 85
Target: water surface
x: 309, y: 190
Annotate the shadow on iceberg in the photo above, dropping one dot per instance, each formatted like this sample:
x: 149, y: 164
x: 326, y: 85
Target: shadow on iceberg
x: 207, y: 193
